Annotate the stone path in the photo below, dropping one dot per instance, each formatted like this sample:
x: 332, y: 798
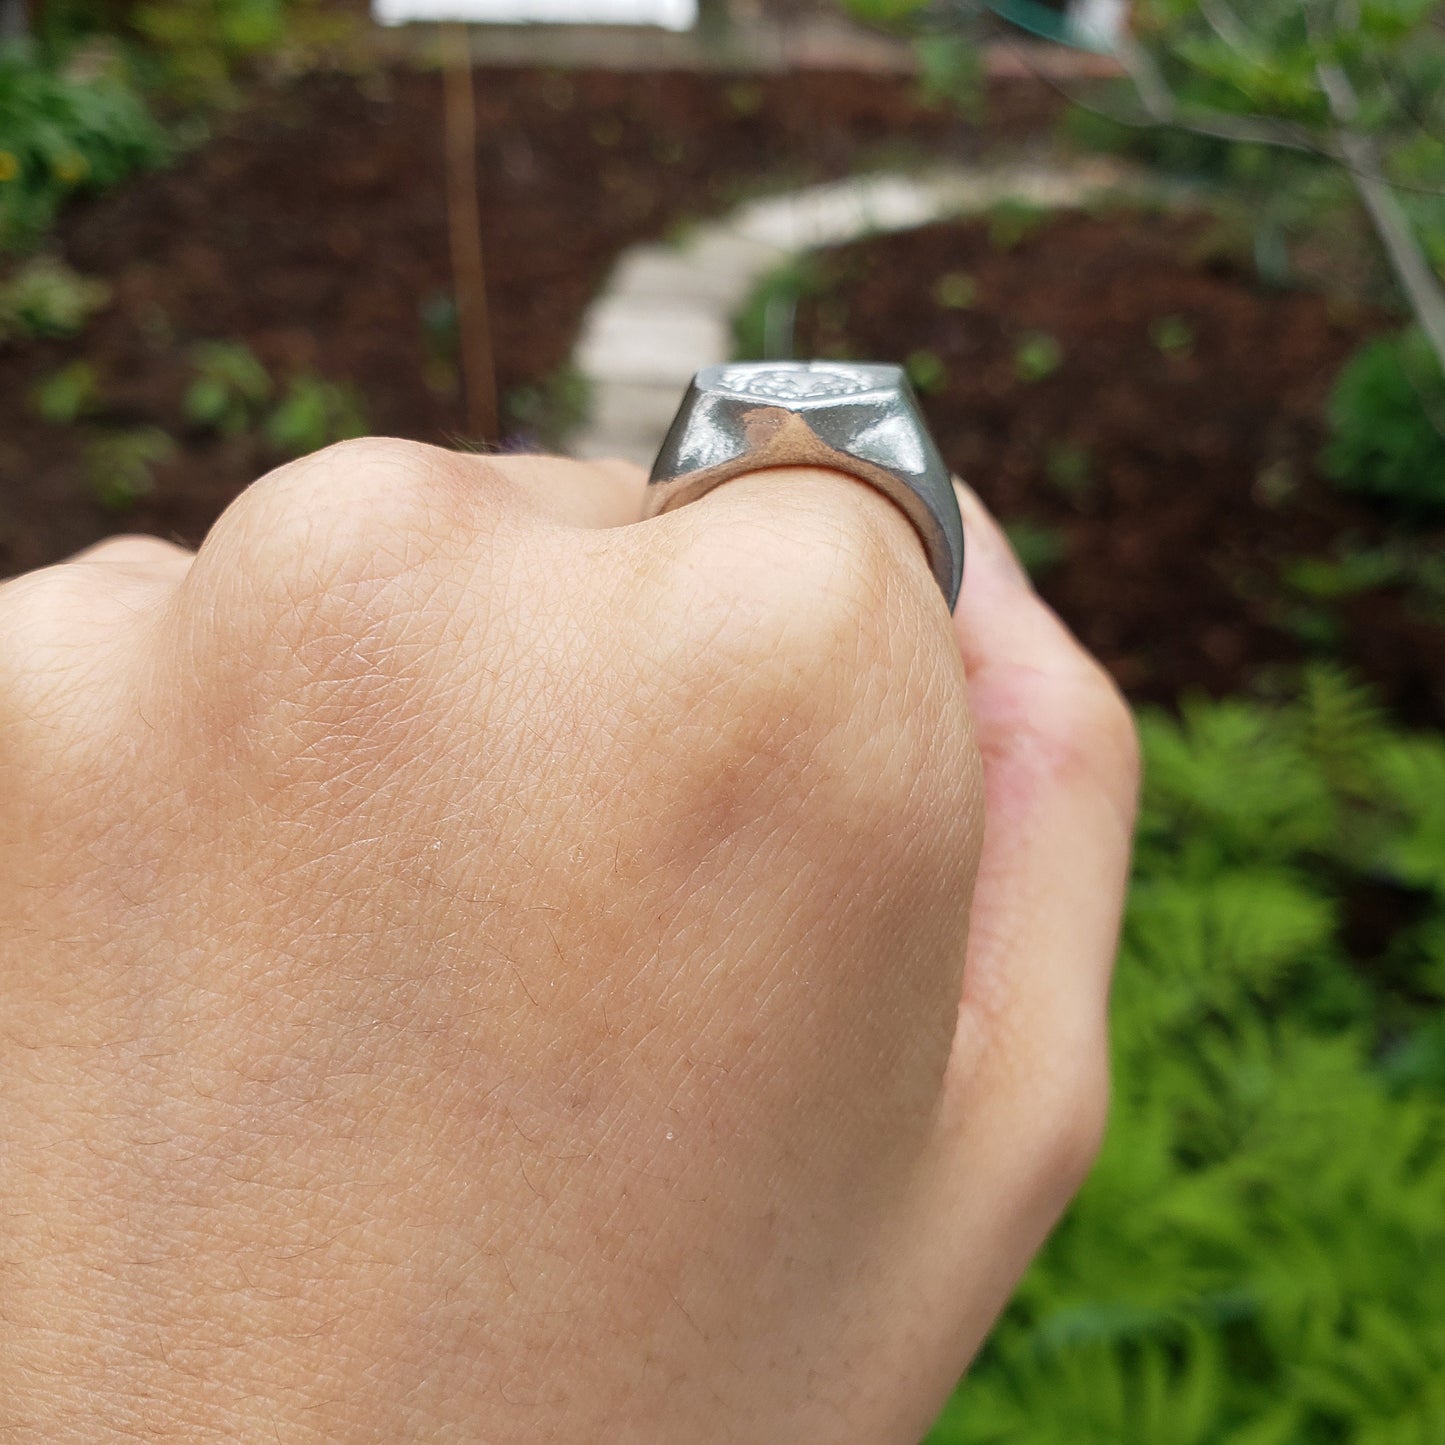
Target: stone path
x: 667, y: 311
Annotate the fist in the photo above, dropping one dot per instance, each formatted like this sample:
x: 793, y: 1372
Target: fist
x: 474, y: 966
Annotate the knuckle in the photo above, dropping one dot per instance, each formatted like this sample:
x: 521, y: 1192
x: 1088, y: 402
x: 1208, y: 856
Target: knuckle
x: 54, y: 640
x: 317, y: 566
x: 354, y: 510
x: 45, y: 617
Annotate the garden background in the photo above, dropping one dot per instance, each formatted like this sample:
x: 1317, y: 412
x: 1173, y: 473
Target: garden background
x: 1206, y: 401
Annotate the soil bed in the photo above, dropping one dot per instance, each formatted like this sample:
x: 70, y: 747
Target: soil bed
x: 1116, y: 382
x: 314, y: 231
x: 1170, y: 453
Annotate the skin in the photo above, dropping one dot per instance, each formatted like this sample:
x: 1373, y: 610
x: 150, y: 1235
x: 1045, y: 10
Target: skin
x: 474, y: 966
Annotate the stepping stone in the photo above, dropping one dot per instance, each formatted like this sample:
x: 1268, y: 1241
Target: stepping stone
x: 667, y: 312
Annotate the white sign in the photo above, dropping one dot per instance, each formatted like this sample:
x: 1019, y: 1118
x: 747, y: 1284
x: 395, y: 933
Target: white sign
x: 669, y: 14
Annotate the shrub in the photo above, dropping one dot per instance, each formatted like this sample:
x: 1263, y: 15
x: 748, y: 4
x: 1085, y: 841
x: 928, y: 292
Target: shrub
x: 1039, y: 549
x: 763, y: 328
x: 549, y: 412
x: 201, y: 43
x: 62, y: 133
x: 1012, y: 222
x: 313, y: 414
x: 1037, y: 357
x: 1387, y: 425
x: 120, y: 465
x: 1260, y: 1254
x: 66, y: 396
x: 955, y: 291
x: 1172, y: 336
x: 46, y: 298
x: 229, y: 388
x: 927, y: 370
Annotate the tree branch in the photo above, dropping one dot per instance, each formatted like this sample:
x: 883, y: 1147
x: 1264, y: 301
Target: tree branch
x: 1164, y: 108
x: 1407, y: 258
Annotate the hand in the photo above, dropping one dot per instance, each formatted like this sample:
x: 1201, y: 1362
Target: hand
x: 472, y: 969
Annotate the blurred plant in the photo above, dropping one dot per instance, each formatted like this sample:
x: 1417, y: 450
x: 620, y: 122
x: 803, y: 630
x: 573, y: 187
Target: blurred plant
x: 1011, y: 223
x: 1172, y: 335
x: 927, y: 371
x: 120, y: 465
x: 552, y: 410
x: 1038, y: 548
x: 744, y: 97
x: 1325, y: 579
x: 1414, y: 565
x: 313, y: 413
x: 62, y: 132
x: 955, y: 291
x: 68, y: 395
x: 199, y: 44
x: 1259, y: 1255
x: 1069, y: 469
x: 1037, y: 356
x: 1387, y: 425
x: 763, y: 327
x: 44, y: 297
x: 229, y: 390
x: 949, y: 72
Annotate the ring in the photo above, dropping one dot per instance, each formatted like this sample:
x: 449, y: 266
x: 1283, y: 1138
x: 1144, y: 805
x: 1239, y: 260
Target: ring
x: 854, y: 417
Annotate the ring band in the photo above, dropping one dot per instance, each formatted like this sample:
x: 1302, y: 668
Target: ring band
x: 862, y: 419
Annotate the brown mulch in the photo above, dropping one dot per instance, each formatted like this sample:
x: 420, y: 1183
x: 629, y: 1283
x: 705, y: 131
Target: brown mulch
x: 314, y: 231
x: 1179, y: 479
x: 1172, y: 454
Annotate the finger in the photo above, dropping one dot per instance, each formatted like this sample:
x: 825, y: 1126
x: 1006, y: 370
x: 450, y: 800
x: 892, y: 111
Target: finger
x: 1060, y: 779
x: 139, y: 556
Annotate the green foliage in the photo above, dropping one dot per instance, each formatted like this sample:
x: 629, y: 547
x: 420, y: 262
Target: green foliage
x: 1037, y: 356
x: 1387, y: 425
x: 44, y: 297
x: 120, y: 466
x: 763, y: 328
x: 68, y: 395
x: 886, y: 14
x: 200, y: 44
x: 229, y: 389
x: 950, y: 71
x: 552, y: 410
x: 927, y: 371
x: 63, y: 132
x: 1069, y: 469
x: 1172, y: 335
x: 1011, y: 223
x: 1038, y: 548
x: 1260, y: 1253
x: 955, y: 291
x: 313, y: 413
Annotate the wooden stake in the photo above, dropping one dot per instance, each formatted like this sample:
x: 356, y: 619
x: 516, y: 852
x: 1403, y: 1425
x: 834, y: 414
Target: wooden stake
x: 469, y: 277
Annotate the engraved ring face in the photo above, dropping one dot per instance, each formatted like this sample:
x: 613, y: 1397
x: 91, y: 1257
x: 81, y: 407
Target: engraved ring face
x: 818, y: 381
x: 856, y: 417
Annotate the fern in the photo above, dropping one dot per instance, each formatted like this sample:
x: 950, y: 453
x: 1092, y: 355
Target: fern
x: 1259, y: 1256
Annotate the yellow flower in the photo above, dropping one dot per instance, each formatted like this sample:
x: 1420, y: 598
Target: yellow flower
x: 71, y: 168
x: 9, y: 166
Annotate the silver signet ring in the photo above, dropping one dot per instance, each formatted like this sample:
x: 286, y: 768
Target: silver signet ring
x: 854, y: 417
